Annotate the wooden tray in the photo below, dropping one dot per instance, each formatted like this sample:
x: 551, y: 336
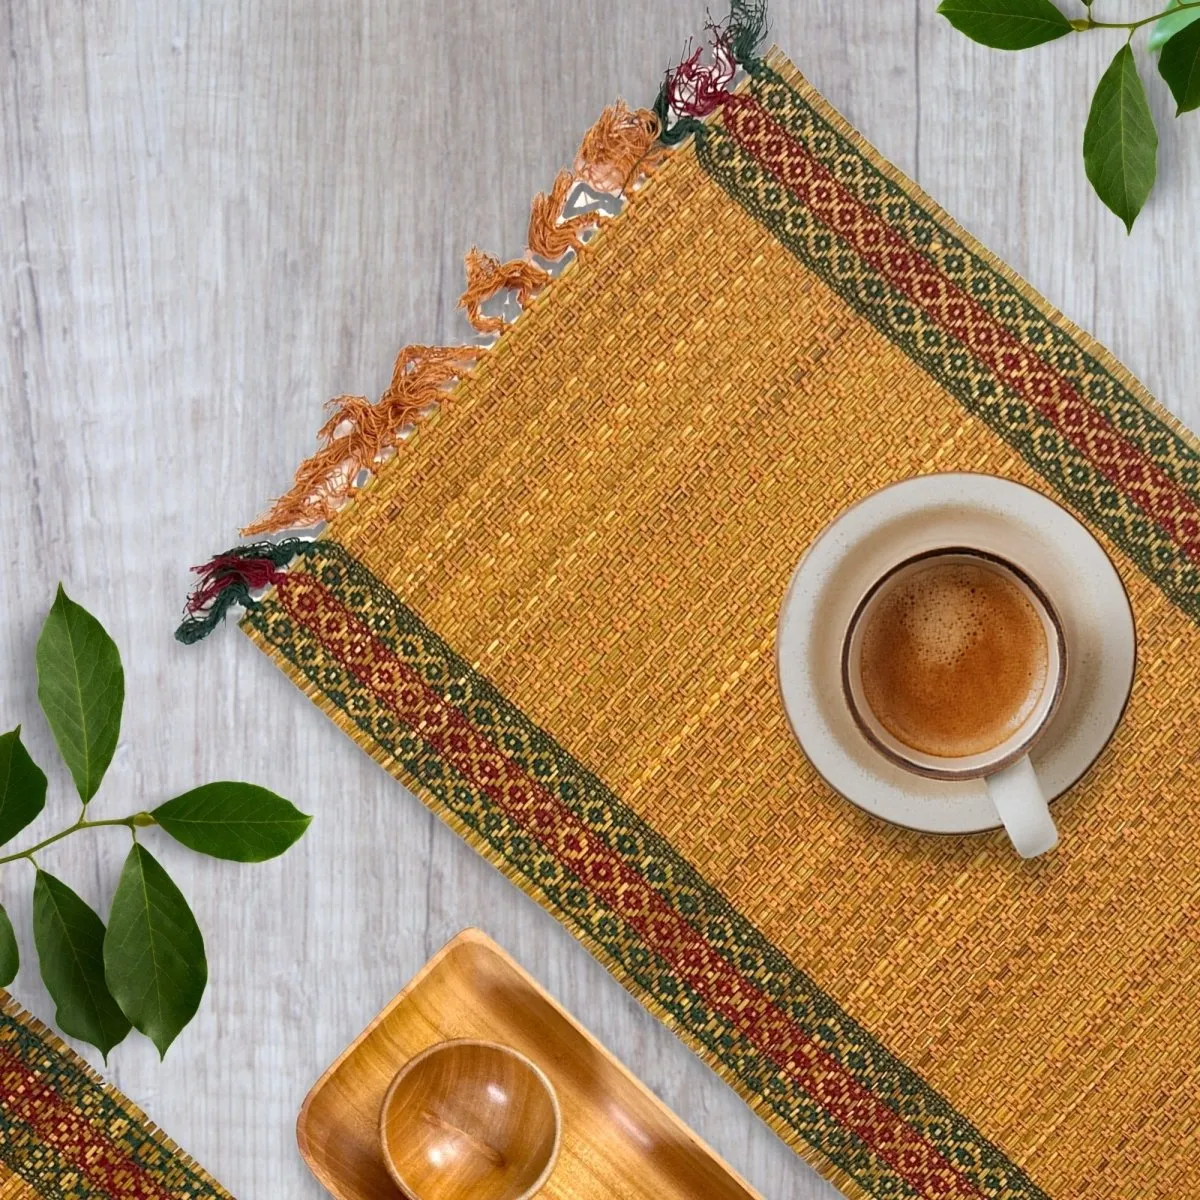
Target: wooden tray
x: 618, y: 1138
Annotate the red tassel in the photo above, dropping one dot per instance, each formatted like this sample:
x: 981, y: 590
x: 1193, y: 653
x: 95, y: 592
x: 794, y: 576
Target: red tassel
x: 695, y: 89
x: 229, y: 570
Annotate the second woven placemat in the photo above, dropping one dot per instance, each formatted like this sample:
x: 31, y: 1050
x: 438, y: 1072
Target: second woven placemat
x: 67, y: 1135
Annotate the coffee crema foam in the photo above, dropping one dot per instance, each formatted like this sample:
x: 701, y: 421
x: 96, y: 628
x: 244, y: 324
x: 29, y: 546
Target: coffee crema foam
x: 954, y: 658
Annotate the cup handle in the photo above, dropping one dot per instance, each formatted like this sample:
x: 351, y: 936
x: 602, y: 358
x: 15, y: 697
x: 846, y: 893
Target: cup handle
x: 1021, y: 804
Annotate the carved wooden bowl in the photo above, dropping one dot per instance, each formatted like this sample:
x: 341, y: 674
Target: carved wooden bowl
x: 470, y: 1119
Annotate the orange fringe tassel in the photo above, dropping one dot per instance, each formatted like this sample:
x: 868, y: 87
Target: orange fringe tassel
x: 619, y: 144
x: 550, y: 236
x: 324, y: 482
x: 487, y: 275
x: 618, y: 148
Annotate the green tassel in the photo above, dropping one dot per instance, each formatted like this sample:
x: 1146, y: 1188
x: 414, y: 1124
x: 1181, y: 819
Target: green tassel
x: 747, y: 28
x: 684, y: 127
x: 195, y: 627
x: 229, y: 579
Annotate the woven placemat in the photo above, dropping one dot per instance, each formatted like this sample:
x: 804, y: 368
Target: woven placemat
x: 67, y: 1135
x: 552, y: 615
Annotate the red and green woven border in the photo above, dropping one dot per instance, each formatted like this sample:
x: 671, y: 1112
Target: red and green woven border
x: 70, y: 1136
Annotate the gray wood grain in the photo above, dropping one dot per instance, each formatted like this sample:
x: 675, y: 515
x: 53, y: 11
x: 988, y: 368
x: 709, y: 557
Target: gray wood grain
x: 214, y: 216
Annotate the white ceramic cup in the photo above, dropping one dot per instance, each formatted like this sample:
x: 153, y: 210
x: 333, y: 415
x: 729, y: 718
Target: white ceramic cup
x: 1012, y: 784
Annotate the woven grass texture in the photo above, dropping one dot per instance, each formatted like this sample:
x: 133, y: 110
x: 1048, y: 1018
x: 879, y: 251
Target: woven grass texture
x: 552, y: 615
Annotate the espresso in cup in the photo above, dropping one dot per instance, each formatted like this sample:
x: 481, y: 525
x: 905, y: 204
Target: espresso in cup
x: 954, y: 663
x: 954, y: 657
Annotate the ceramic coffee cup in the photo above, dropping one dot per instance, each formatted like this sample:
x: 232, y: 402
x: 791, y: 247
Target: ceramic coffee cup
x: 953, y: 664
x: 867, y: 542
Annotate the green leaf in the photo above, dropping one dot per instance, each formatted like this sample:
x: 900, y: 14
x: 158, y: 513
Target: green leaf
x: 69, y: 938
x: 153, y: 953
x: 1120, y: 143
x: 1171, y: 24
x: 81, y: 688
x: 10, y: 956
x: 238, y: 821
x: 1179, y: 65
x: 1006, y: 24
x: 22, y: 786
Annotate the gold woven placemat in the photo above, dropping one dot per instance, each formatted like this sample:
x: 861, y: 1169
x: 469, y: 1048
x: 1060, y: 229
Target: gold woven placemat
x: 552, y: 615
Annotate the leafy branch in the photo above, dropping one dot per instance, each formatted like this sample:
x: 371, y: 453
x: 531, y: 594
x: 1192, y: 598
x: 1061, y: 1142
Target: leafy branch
x: 1090, y: 22
x: 129, y: 822
x: 147, y: 969
x: 1120, y: 141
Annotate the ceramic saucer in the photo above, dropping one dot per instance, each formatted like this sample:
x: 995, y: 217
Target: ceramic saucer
x: 895, y: 523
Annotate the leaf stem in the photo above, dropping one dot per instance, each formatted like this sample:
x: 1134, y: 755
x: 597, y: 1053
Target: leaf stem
x: 1090, y: 22
x: 128, y: 822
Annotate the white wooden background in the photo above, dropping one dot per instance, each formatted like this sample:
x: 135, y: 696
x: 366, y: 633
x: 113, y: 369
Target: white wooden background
x: 214, y: 216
